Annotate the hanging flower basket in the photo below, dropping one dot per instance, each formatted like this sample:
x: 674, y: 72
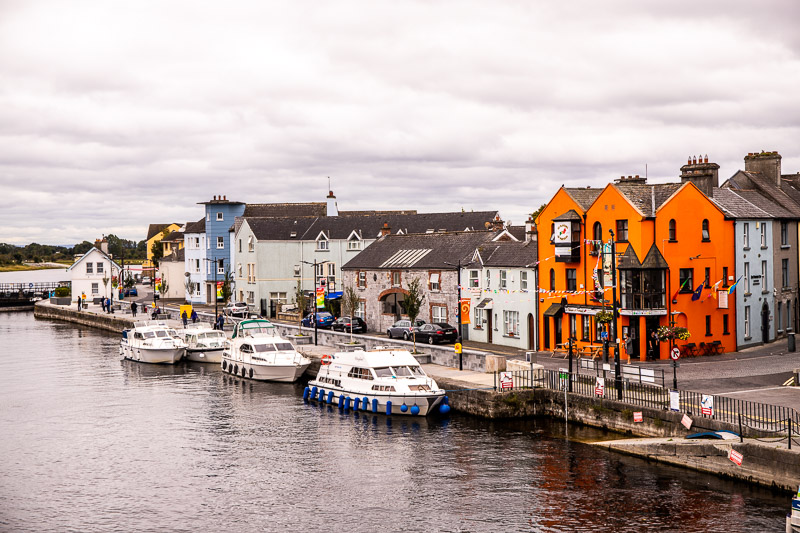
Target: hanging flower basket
x: 666, y: 333
x: 604, y: 317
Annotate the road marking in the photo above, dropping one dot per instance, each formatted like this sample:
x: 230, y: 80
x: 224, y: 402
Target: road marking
x: 789, y: 382
x: 752, y: 390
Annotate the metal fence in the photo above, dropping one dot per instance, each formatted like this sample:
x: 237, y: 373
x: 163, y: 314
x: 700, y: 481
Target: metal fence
x: 630, y: 373
x: 778, y: 420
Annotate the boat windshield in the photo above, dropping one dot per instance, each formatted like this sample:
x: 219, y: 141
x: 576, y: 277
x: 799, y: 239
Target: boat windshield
x: 402, y: 372
x: 265, y: 347
x: 284, y: 346
x: 211, y: 335
x: 149, y: 335
x: 173, y: 333
x: 161, y: 333
x: 383, y: 372
x: 417, y: 371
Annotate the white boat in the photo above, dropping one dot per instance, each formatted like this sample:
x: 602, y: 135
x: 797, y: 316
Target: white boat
x: 385, y: 381
x: 152, y: 342
x: 256, y: 351
x: 793, y: 518
x: 204, y: 344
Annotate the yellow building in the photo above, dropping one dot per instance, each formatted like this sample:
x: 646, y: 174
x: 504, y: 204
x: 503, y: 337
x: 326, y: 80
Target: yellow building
x: 155, y: 232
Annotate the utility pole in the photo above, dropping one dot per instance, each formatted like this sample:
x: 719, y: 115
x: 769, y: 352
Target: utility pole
x: 315, y: 293
x: 459, y: 340
x: 617, y: 374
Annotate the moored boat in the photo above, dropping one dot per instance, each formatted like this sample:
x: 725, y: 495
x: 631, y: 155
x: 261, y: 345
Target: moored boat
x: 152, y: 342
x: 256, y: 351
x: 380, y: 381
x: 793, y: 518
x: 204, y: 344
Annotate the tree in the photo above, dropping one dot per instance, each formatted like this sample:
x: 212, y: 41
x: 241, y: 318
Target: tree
x: 536, y: 213
x: 350, y: 302
x: 301, y: 301
x: 227, y: 289
x: 412, y: 303
x: 158, y: 252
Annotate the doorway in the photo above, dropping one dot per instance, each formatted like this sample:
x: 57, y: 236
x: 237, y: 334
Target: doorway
x: 546, y: 333
x: 557, y: 327
x: 489, y: 326
x: 530, y: 332
x: 633, y: 333
x: 651, y: 326
x: 765, y: 323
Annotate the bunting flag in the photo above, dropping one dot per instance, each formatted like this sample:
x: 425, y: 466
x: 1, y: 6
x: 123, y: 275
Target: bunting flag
x: 730, y: 290
x: 713, y: 292
x: 674, y: 296
x: 698, y: 292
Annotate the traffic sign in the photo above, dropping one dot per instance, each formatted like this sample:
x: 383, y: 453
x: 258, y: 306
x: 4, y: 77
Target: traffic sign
x: 506, y: 380
x: 735, y: 456
x: 675, y: 353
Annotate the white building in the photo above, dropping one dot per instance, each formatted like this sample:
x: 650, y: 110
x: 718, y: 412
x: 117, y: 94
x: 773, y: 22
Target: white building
x: 172, y: 270
x: 93, y: 274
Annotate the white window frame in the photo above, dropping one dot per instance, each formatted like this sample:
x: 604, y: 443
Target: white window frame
x: 322, y: 243
x: 95, y: 288
x: 362, y: 279
x: 479, y: 317
x: 251, y: 246
x: 100, y: 267
x: 221, y: 267
x: 435, y: 281
x: 361, y: 310
x: 196, y: 266
x: 503, y: 280
x: 764, y: 287
x: 488, y: 278
x: 747, y: 278
x: 440, y: 310
x: 354, y: 243
x: 220, y: 243
x: 90, y: 268
x: 523, y: 280
x: 763, y: 235
x: 220, y: 215
x: 474, y: 279
x: 746, y: 235
x: 511, y: 323
x: 239, y: 269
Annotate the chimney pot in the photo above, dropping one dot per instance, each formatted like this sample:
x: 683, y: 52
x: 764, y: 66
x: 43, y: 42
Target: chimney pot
x: 689, y: 162
x: 705, y: 159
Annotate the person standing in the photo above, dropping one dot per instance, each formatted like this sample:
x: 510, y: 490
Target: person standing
x: 184, y: 318
x: 628, y: 347
x: 220, y: 322
x: 103, y: 304
x: 79, y: 303
x: 194, y: 316
x: 133, y: 308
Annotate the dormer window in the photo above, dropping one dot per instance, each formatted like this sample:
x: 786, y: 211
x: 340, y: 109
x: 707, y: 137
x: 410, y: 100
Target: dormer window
x: 219, y: 216
x: 354, y: 242
x: 322, y: 243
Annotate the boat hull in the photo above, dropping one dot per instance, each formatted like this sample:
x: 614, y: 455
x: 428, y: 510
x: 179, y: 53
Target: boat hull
x: 204, y: 355
x: 162, y: 356
x: 285, y: 373
x: 427, y: 403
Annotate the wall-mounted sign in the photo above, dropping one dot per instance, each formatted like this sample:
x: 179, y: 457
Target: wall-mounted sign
x: 563, y: 232
x: 722, y: 299
x: 643, y: 312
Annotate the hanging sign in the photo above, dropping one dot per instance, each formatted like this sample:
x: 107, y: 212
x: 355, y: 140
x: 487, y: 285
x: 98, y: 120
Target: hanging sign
x: 608, y: 281
x: 562, y: 233
x: 465, y: 310
x: 599, y: 386
x: 687, y: 422
x: 320, y: 297
x: 637, y: 416
x: 707, y: 405
x: 506, y: 380
x: 722, y: 299
x: 674, y: 400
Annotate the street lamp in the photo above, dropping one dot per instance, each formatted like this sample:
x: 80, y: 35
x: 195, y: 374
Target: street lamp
x: 459, y: 266
x: 617, y: 375
x: 315, y: 263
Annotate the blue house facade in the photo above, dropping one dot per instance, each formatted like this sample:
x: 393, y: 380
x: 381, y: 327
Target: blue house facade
x: 219, y: 217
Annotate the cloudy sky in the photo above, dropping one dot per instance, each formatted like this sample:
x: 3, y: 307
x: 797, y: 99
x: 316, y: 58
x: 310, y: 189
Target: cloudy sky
x: 114, y: 115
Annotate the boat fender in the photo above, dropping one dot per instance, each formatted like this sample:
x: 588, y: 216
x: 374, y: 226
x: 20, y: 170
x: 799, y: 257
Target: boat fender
x: 341, y: 401
x: 444, y: 409
x: 251, y: 373
x: 414, y: 409
x: 347, y: 403
x: 236, y: 369
x: 330, y: 396
x: 403, y: 408
x: 365, y: 403
x: 314, y: 392
x: 446, y: 400
x: 224, y: 365
x: 389, y: 408
x: 244, y: 372
x: 321, y: 394
x: 305, y: 393
x: 356, y: 402
x: 374, y: 405
x: 326, y: 360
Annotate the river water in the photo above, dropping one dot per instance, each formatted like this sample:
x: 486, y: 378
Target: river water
x: 92, y: 443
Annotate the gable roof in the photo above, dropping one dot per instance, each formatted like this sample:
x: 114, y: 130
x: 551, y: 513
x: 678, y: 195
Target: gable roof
x: 286, y: 210
x: 629, y: 259
x: 654, y: 259
x: 508, y: 254
x: 176, y: 256
x: 583, y: 196
x: 736, y: 206
x: 440, y: 251
x: 155, y: 229
x: 647, y: 198
x: 175, y: 236
x: 196, y: 227
x: 786, y: 197
x: 93, y: 249
x: 569, y: 215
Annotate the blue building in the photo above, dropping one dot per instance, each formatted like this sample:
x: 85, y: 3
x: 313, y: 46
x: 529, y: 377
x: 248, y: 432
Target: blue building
x: 219, y: 218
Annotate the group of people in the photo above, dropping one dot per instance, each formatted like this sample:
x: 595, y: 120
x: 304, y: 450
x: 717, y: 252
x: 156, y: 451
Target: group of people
x: 105, y: 303
x: 185, y: 318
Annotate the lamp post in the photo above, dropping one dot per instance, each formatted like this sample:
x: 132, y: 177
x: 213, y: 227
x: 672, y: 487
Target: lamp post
x: 617, y: 375
x: 459, y: 265
x: 216, y: 303
x: 315, y: 263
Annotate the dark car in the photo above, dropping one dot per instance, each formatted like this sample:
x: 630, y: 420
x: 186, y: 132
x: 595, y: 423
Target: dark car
x: 343, y: 324
x: 402, y: 328
x: 131, y: 292
x: 324, y: 320
x: 436, y: 333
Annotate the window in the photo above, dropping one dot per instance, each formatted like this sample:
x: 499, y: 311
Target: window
x: 99, y: 268
x: 251, y: 245
x: 764, y: 287
x: 488, y: 278
x: 706, y: 236
x: 747, y: 278
x: 322, y: 244
x: 784, y: 273
x: 586, y: 330
x: 552, y: 279
x: 725, y: 330
x: 523, y: 280
x: 708, y: 325
x: 474, y: 281
x: 707, y: 278
x: 362, y: 280
x: 220, y: 242
x: 208, y: 217
x: 90, y: 268
x: 763, y: 235
x: 780, y: 316
x: 597, y: 232
x: 297, y: 271
x: 196, y: 266
x: 622, y: 231
x: 572, y: 280
x: 672, y: 237
x: 95, y: 288
x: 784, y: 234
x: 503, y: 282
x: 747, y: 322
x: 221, y: 266
x: 219, y: 215
x: 686, y: 281
x: 239, y: 269
x: 396, y: 278
x: 746, y: 235
x: 724, y: 276
x: 573, y: 326
x: 251, y: 297
x: 511, y: 323
x: 353, y: 243
x: 552, y: 232
x: 478, y: 318
x: 251, y: 272
x: 598, y: 331
x: 438, y: 313
x: 361, y: 309
x: 434, y: 282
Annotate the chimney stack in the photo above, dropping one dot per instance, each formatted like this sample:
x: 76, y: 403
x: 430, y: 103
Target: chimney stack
x: 332, y: 209
x: 704, y: 175
x: 530, y: 230
x: 385, y: 229
x: 634, y: 180
x: 768, y: 164
x: 497, y: 223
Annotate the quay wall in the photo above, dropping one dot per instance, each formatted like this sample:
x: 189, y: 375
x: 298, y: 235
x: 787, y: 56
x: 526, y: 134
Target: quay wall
x: 110, y: 322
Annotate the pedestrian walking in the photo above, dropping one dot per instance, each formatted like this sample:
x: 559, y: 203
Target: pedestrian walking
x: 220, y: 322
x: 103, y: 304
x: 628, y: 347
x: 79, y: 303
x: 184, y: 318
x: 652, y: 346
x: 133, y: 308
x: 194, y: 316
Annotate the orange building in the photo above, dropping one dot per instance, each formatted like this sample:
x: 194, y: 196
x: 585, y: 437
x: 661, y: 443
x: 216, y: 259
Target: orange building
x: 668, y: 239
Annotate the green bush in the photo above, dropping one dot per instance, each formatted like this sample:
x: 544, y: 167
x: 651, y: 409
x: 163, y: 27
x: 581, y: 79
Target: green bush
x: 62, y: 292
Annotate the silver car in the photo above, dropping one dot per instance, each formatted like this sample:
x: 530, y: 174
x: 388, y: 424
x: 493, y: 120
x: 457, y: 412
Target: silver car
x: 402, y: 328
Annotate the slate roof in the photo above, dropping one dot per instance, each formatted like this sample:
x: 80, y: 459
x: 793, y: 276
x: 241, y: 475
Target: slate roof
x: 509, y: 254
x: 175, y: 236
x: 366, y: 226
x: 787, y: 198
x: 196, y: 227
x: 647, y: 198
x: 654, y: 259
x: 155, y: 229
x: 178, y: 256
x: 629, y: 259
x: 736, y: 205
x: 583, y: 196
x: 317, y: 209
x: 517, y: 231
x: 569, y: 215
x: 433, y: 249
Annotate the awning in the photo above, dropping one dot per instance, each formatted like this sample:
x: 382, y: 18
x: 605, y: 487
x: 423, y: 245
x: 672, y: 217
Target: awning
x: 434, y: 278
x: 333, y: 295
x: 553, y: 310
x: 486, y: 303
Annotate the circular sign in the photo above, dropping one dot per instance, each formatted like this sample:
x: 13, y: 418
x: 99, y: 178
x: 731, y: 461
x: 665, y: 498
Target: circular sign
x: 30, y: 285
x: 675, y: 353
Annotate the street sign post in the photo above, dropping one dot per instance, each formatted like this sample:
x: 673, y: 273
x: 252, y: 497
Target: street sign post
x: 675, y: 354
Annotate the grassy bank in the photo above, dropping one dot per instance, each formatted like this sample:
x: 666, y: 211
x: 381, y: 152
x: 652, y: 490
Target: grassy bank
x: 21, y: 268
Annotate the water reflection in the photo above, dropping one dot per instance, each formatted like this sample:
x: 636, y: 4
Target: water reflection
x: 91, y: 442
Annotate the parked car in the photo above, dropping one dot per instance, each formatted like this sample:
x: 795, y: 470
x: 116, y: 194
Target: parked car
x: 402, y: 328
x: 343, y: 324
x: 235, y: 309
x: 324, y: 320
x: 131, y: 292
x: 146, y: 280
x: 436, y: 333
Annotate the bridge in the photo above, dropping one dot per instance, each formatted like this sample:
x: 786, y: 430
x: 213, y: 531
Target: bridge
x: 22, y: 294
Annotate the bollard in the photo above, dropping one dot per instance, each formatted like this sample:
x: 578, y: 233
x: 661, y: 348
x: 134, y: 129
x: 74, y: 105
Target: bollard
x: 791, y: 342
